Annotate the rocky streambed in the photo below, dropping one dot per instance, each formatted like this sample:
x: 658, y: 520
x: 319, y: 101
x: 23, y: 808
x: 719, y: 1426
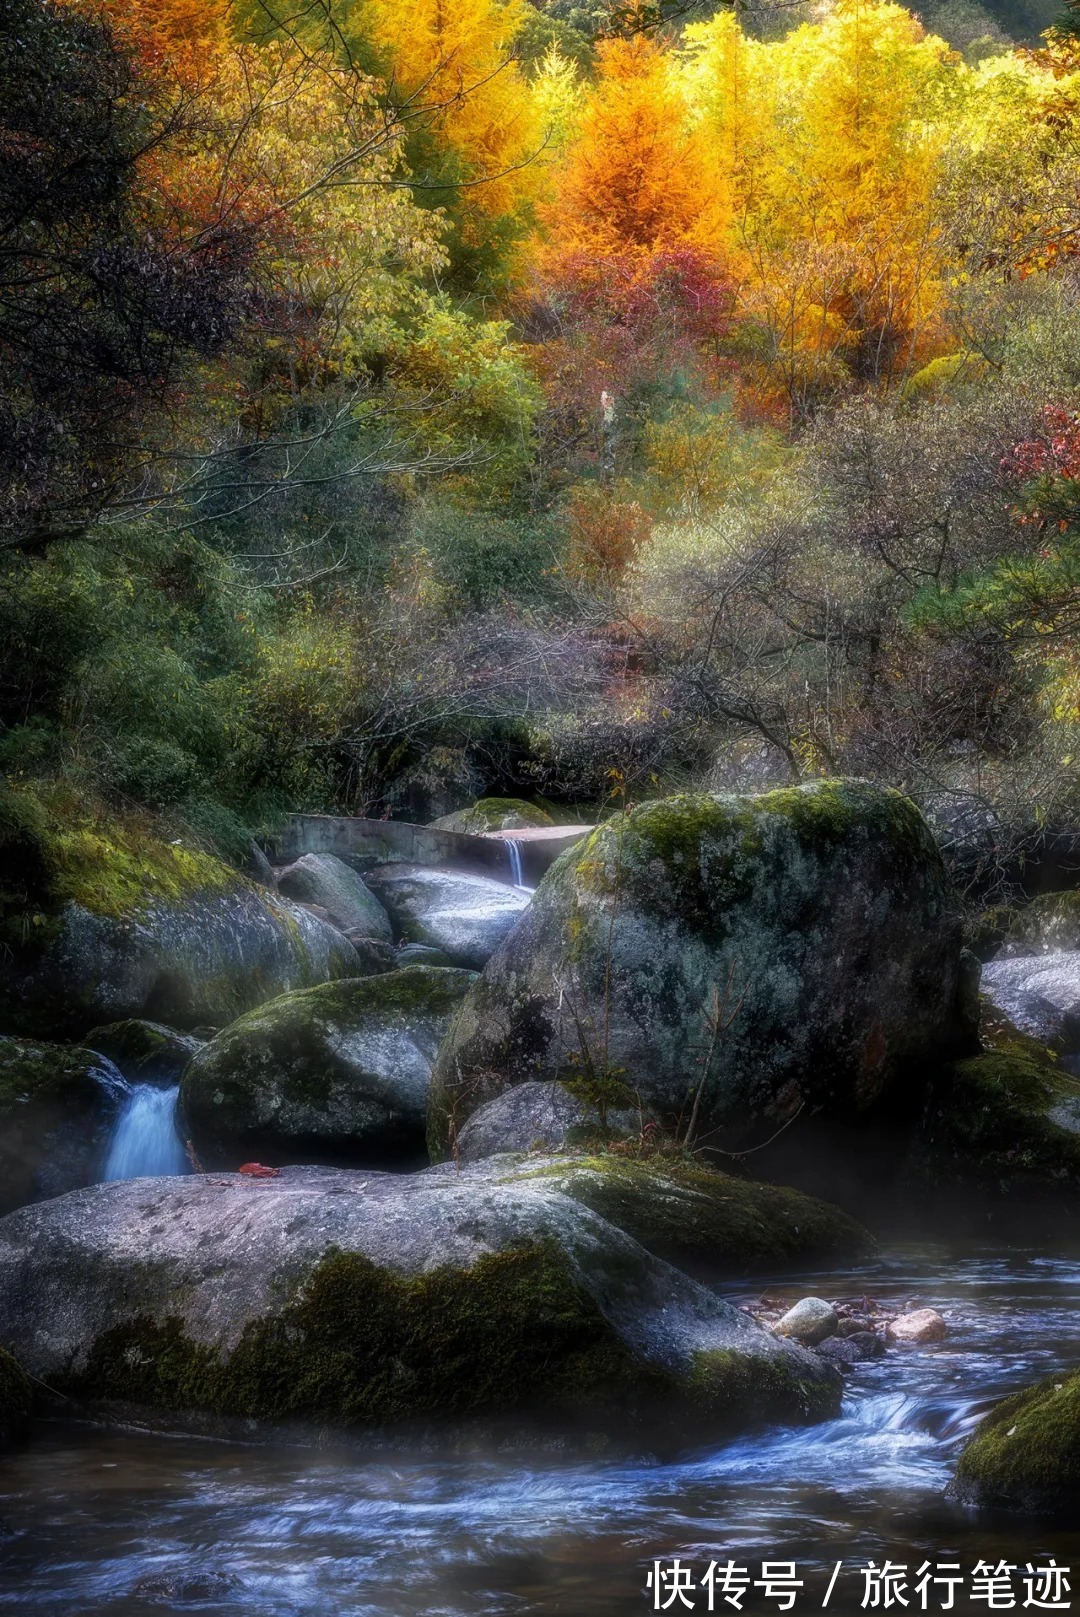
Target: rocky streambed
x: 118, y: 1523
x: 452, y: 1183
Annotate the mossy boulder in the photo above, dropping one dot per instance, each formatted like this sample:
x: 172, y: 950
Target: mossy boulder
x: 16, y: 1399
x: 359, y: 1299
x: 1025, y: 1455
x: 710, y: 1223
x: 466, y: 917
x: 790, y: 953
x: 57, y: 1103
x: 334, y: 1074
x: 1005, y: 1123
x: 145, y: 1052
x: 325, y: 880
x: 495, y: 814
x: 118, y: 924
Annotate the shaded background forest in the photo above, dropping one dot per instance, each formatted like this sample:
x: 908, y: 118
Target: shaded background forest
x: 402, y: 406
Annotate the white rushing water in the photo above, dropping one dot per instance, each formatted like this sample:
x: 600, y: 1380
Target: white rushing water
x: 513, y: 851
x: 145, y: 1142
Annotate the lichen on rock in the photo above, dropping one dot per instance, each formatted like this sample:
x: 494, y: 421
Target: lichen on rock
x: 795, y: 952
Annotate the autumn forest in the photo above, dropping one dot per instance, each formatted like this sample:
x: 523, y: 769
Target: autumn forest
x: 403, y: 405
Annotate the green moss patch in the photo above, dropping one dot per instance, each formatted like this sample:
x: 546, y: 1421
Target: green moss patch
x: 363, y: 1346
x: 1006, y: 1121
x: 704, y: 1220
x: 56, y: 848
x: 1026, y: 1454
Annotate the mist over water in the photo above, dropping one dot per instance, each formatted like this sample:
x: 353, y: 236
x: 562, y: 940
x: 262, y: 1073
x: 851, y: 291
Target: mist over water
x: 120, y: 1524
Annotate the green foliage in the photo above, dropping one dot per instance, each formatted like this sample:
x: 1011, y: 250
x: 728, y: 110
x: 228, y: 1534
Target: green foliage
x: 483, y: 559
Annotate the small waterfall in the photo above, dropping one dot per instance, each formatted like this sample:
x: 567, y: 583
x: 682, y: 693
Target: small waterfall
x: 513, y: 851
x: 145, y: 1143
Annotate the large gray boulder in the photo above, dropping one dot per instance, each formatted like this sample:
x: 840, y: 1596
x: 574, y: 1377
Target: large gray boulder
x: 57, y: 1103
x: 1040, y: 994
x: 335, y: 1074
x: 728, y: 962
x: 325, y: 880
x: 195, y: 959
x: 467, y: 917
x: 356, y: 1299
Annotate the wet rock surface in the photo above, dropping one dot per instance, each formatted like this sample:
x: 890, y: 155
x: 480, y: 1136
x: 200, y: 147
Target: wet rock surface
x: 354, y: 1299
x: 465, y: 917
x: 1040, y: 994
x: 325, y: 880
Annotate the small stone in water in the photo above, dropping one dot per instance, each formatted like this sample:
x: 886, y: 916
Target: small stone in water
x: 187, y: 1587
x: 854, y: 1349
x: 809, y: 1322
x: 922, y: 1325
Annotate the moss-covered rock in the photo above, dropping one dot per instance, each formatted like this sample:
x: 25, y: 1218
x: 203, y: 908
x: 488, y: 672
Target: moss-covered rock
x: 1025, y: 1455
x: 115, y: 923
x: 495, y: 814
x: 145, y: 1051
x: 55, y: 1111
x: 16, y: 1399
x: 1005, y: 1123
x: 466, y: 917
x: 359, y: 1299
x: 335, y: 1074
x: 796, y: 952
x: 707, y: 1222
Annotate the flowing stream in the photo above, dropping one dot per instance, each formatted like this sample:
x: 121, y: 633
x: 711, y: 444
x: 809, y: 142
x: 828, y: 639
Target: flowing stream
x: 121, y: 1524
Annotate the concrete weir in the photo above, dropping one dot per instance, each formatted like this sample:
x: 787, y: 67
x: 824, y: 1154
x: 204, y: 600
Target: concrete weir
x: 366, y: 843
